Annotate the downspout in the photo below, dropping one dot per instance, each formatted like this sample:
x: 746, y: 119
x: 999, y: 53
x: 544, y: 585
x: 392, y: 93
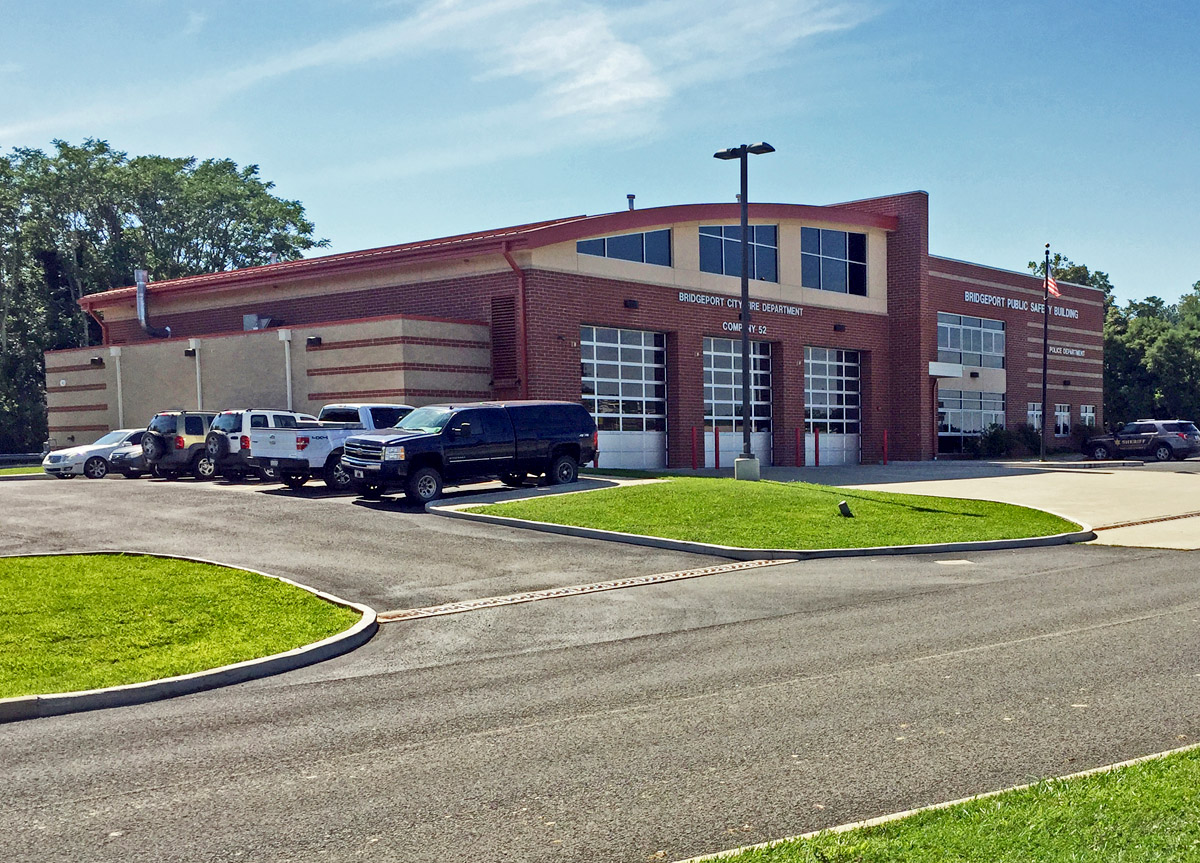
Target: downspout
x: 115, y: 351
x: 194, y: 347
x: 285, y: 336
x: 103, y: 326
x: 524, y: 353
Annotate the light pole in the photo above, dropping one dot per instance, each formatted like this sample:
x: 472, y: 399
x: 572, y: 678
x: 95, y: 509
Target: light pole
x: 745, y: 466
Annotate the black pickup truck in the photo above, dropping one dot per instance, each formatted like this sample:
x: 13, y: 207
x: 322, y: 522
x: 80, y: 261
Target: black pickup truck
x: 448, y: 444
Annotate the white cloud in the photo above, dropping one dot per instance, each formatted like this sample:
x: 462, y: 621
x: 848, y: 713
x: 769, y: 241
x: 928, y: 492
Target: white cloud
x: 195, y: 23
x: 583, y: 69
x: 11, y: 68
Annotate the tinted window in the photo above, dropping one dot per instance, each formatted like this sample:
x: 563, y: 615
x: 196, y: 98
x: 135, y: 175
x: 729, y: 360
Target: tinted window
x: 285, y: 421
x: 228, y: 422
x: 339, y: 415
x: 193, y: 425
x: 496, y: 425
x: 472, y: 418
x: 259, y: 421
x: 626, y: 248
x: 658, y: 248
x: 163, y: 424
x: 385, y: 418
x: 136, y: 437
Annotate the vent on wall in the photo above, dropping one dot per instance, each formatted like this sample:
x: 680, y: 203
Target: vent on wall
x: 504, y: 342
x: 256, y: 322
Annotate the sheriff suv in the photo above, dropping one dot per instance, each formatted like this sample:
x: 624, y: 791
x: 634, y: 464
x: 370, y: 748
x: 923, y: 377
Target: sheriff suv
x: 1159, y: 439
x: 174, y: 444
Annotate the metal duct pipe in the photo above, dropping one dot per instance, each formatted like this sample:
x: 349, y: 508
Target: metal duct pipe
x: 140, y: 278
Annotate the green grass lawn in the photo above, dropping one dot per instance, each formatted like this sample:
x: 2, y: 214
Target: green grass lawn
x: 1145, y: 812
x: 13, y: 471
x: 783, y: 515
x: 69, y: 623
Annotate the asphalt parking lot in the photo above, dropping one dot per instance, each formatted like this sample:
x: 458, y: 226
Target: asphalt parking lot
x: 649, y: 723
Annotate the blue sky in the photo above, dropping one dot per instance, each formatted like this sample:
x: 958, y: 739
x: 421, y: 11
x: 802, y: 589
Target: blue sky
x: 1073, y: 123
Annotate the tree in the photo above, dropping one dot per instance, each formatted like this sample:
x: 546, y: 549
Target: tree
x: 80, y: 219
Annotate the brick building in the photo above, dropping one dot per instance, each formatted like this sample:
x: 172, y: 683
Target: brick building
x: 861, y: 338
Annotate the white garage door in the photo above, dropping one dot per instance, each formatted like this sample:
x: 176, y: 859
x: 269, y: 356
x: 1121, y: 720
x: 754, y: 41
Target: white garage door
x: 624, y: 382
x: 723, y: 401
x: 832, y: 406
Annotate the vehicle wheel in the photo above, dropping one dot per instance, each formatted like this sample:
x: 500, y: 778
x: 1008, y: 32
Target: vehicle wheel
x: 1100, y: 452
x: 337, y: 478
x: 204, y: 468
x: 295, y: 481
x: 369, y: 490
x: 564, y: 470
x: 516, y: 480
x: 216, y: 445
x: 95, y: 468
x: 424, y: 485
x: 1163, y: 452
x: 153, y: 446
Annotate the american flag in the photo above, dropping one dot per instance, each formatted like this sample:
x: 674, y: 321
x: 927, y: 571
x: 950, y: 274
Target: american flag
x: 1052, y: 286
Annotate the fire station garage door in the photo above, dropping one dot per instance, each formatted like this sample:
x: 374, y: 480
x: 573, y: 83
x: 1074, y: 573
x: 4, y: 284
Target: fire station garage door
x: 831, y: 406
x: 624, y: 381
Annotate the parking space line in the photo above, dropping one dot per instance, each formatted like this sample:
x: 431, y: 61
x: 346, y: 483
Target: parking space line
x: 574, y: 590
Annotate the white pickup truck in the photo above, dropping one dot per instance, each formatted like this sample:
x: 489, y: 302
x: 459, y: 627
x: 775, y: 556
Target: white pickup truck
x: 296, y: 454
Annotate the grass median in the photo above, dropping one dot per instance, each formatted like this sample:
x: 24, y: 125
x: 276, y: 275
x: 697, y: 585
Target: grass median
x: 17, y: 471
x: 75, y: 622
x: 792, y: 515
x: 1137, y: 814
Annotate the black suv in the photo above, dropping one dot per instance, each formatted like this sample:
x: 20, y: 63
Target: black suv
x: 174, y: 444
x: 1160, y: 439
x: 457, y: 443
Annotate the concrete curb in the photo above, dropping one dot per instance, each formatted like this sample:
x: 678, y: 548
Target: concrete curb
x: 908, y: 813
x: 17, y: 477
x: 33, y: 706
x: 1085, y: 534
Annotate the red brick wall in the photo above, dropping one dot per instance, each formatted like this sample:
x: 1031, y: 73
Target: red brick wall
x: 1023, y: 335
x: 560, y: 302
x: 466, y: 298
x: 912, y: 328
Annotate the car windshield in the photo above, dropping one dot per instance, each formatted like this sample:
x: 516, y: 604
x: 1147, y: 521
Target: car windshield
x: 230, y: 421
x: 111, y: 437
x: 430, y: 419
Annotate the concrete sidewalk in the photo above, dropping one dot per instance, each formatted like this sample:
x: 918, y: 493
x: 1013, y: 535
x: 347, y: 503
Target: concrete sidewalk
x: 1099, y: 496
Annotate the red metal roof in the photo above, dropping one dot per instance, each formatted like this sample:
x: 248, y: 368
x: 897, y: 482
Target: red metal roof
x: 529, y: 236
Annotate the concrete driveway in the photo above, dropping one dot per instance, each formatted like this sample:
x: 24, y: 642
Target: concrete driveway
x: 1147, y: 505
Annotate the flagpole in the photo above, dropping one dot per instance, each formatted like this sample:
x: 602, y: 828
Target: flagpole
x: 1045, y: 346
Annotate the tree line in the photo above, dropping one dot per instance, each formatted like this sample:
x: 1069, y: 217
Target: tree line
x: 80, y: 219
x: 1151, y: 349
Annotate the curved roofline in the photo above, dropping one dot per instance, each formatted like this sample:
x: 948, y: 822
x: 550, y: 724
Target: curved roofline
x: 498, y: 241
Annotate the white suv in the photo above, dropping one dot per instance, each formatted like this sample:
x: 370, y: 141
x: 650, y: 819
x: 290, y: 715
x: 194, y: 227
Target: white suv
x: 228, y: 441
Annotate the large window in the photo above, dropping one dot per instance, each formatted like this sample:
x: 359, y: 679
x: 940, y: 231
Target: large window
x: 833, y: 261
x: 1033, y: 414
x: 970, y: 341
x: 721, y: 251
x: 623, y: 378
x: 1087, y: 415
x: 652, y: 247
x: 831, y: 391
x: 964, y: 414
x: 723, y: 385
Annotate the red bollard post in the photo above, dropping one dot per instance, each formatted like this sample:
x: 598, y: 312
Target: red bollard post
x: 816, y: 446
x: 885, y: 447
x: 799, y: 446
x: 694, y: 463
x: 716, y: 447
